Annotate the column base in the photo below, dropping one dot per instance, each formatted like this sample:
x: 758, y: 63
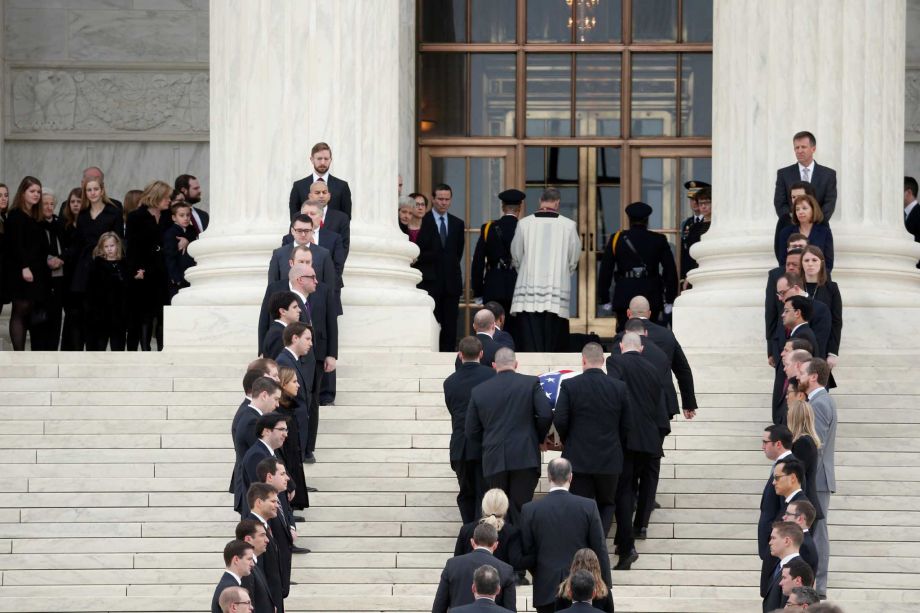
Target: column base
x: 206, y: 328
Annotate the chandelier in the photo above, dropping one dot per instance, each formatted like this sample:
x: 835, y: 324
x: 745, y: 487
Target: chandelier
x: 584, y: 21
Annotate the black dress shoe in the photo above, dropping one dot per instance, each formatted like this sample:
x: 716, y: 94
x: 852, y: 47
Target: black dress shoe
x: 300, y: 518
x: 296, y: 549
x: 640, y: 533
x: 309, y: 459
x: 311, y: 489
x: 657, y: 506
x: 626, y: 562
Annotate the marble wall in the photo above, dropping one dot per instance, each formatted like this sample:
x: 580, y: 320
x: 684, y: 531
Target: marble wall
x: 912, y: 92
x: 119, y: 84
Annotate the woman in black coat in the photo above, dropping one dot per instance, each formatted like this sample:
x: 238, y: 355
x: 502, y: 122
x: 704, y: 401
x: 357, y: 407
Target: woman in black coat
x: 820, y: 287
x: 494, y: 509
x: 4, y: 211
x: 805, y: 445
x: 46, y: 334
x: 25, y: 266
x: 97, y: 216
x: 147, y: 267
x: 291, y: 453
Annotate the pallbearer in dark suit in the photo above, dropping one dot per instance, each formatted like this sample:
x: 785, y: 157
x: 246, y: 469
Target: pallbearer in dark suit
x: 509, y: 416
x: 588, y: 419
x: 457, y: 576
x: 254, y: 533
x: 647, y: 424
x: 298, y: 339
x: 465, y: 454
x: 484, y: 327
x: 263, y: 502
x: 284, y: 307
x: 493, y: 274
x: 501, y: 336
x: 553, y: 528
x: 440, y: 243
x: 486, y: 588
x: 265, y: 397
x: 238, y: 559
x: 321, y: 159
x: 272, y: 429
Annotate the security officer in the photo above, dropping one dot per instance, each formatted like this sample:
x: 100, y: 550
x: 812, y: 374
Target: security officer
x: 693, y: 189
x: 493, y: 275
x: 638, y: 262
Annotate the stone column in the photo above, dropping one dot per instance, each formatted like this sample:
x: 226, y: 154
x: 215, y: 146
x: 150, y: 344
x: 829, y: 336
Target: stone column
x: 284, y: 75
x: 837, y: 70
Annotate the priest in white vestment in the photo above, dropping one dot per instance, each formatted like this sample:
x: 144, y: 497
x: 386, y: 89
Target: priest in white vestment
x: 545, y: 251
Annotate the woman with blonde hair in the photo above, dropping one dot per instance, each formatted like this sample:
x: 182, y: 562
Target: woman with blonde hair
x: 805, y: 445
x: 290, y: 453
x: 586, y: 559
x: 106, y: 291
x: 147, y: 267
x: 494, y: 510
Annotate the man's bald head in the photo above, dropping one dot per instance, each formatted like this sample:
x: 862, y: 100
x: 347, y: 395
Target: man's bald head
x: 295, y: 273
x: 639, y: 307
x: 484, y: 321
x: 94, y: 173
x: 631, y: 342
x: 505, y: 359
x: 592, y: 355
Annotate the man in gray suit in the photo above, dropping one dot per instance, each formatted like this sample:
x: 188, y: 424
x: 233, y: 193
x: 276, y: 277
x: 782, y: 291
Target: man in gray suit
x: 302, y: 232
x: 814, y: 380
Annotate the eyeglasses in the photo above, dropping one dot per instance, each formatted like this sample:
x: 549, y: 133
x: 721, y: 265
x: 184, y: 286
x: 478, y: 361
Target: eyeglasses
x: 789, y: 310
x: 788, y: 514
x: 778, y: 477
x: 247, y: 602
x: 284, y: 429
x: 307, y: 277
x: 302, y: 230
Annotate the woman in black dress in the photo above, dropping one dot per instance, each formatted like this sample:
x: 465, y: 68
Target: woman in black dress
x: 820, y: 287
x: 586, y: 559
x: 25, y: 266
x: 147, y: 267
x: 46, y: 335
x: 494, y: 509
x: 290, y: 452
x: 4, y: 210
x: 805, y: 445
x: 97, y: 216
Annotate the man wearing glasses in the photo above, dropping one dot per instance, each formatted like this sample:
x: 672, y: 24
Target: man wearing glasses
x: 776, y: 444
x: 234, y: 600
x: 273, y: 429
x: 801, y: 598
x: 302, y: 233
x: 803, y: 513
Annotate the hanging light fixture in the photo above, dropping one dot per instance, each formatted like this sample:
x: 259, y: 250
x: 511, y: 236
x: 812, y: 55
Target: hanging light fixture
x: 584, y: 20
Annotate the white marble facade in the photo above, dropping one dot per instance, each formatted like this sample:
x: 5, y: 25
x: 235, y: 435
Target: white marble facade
x: 119, y: 84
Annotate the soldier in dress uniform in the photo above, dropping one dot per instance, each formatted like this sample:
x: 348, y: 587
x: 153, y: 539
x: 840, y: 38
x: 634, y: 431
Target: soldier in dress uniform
x: 693, y: 188
x: 493, y: 276
x: 637, y: 262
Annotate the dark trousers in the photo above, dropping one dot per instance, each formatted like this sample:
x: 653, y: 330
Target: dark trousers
x: 518, y: 485
x: 635, y: 464
x: 328, y: 391
x: 600, y: 488
x: 73, y: 336
x: 547, y: 608
x: 314, y: 407
x: 446, y: 311
x: 646, y: 484
x: 46, y: 314
x: 472, y: 488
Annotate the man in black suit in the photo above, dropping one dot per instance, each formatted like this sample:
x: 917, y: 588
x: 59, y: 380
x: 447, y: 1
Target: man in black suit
x: 486, y: 587
x: 773, y: 307
x: 647, y: 424
x: 296, y: 282
x: 678, y: 364
x: 795, y: 573
x: 785, y: 540
x: 284, y: 256
x: 440, y: 242
x: 822, y: 178
x: 266, y: 394
x: 257, y: 368
x: 190, y: 188
x: 588, y: 418
x: 272, y: 471
x: 272, y: 429
x: 553, y: 529
x: 492, y: 274
x: 797, y: 311
x: 457, y: 576
x: 234, y: 600
x: 803, y: 513
x: 263, y: 503
x: 329, y: 240
x: 501, y: 336
x: 788, y: 479
x: 583, y: 590
x: 284, y: 307
x: 238, y: 560
x: 298, y: 341
x: 911, y: 210
x: 776, y: 444
x: 254, y: 533
x: 796, y: 352
x: 466, y: 455
x: 330, y: 219
x: 509, y: 416
x: 819, y: 319
x: 321, y: 309
x: 484, y: 327
x: 321, y: 158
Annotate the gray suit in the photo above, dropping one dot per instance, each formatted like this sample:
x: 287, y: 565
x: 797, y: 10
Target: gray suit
x: 323, y: 265
x: 826, y: 427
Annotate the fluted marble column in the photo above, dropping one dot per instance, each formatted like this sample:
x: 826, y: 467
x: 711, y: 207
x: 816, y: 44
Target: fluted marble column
x: 836, y: 69
x: 284, y: 75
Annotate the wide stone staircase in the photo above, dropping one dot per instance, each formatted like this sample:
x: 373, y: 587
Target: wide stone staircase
x: 115, y: 468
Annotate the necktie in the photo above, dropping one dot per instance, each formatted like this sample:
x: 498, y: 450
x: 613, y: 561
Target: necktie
x: 443, y: 232
x: 804, y: 174
x: 309, y: 311
x: 777, y: 571
x: 195, y: 223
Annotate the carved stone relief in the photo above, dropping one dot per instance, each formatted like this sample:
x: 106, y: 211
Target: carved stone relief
x: 107, y: 102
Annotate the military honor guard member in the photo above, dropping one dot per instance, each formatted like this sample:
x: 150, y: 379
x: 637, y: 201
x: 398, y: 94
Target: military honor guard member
x: 493, y: 275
